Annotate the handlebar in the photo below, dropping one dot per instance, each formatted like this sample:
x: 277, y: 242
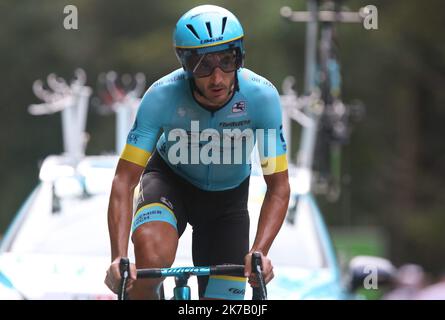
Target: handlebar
x: 229, y: 269
x: 259, y: 293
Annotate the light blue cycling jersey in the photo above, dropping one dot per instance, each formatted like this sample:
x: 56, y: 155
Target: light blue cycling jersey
x: 210, y: 149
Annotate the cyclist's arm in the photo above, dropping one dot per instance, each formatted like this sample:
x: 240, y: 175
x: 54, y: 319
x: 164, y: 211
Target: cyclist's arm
x: 273, y: 211
x: 121, y: 206
x: 140, y: 144
x: 272, y: 151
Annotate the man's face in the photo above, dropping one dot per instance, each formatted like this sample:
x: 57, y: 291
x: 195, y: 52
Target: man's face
x: 217, y: 87
x: 214, y: 75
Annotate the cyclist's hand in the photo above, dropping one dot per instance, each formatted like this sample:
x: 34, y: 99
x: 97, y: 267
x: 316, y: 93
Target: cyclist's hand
x: 113, y: 277
x: 267, y: 269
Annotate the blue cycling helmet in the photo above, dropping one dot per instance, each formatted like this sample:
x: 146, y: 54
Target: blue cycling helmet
x: 205, y: 29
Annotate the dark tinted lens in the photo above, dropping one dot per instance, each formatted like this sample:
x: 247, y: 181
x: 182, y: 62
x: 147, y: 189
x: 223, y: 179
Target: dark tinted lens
x: 191, y: 61
x: 204, y: 66
x: 227, y: 62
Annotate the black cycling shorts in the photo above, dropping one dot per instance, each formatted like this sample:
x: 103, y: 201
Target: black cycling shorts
x: 219, y: 219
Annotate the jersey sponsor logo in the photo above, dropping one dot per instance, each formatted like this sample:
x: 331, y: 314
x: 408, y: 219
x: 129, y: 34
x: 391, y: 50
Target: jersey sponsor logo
x: 171, y: 80
x: 234, y: 123
x: 133, y: 138
x: 239, y: 107
x: 237, y: 291
x: 158, y: 84
x: 265, y: 82
x: 282, y: 138
x: 176, y: 78
x: 146, y: 216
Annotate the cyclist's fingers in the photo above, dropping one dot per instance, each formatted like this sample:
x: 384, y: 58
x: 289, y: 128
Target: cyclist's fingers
x: 268, y: 270
x: 111, y: 284
x: 114, y: 284
x: 129, y: 285
x: 268, y: 277
x: 108, y: 282
x: 266, y: 265
x: 112, y: 277
x: 253, y: 280
x: 115, y: 273
x: 254, y: 283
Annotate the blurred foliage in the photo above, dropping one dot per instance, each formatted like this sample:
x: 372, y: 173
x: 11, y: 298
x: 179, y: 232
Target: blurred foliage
x: 395, y: 160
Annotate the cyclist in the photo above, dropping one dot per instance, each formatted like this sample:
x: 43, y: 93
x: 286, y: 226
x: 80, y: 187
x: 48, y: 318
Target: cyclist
x: 193, y: 173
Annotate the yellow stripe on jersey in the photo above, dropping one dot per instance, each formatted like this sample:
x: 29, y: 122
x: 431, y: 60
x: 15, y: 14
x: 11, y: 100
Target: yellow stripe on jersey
x: 274, y: 165
x: 231, y: 278
x: 135, y: 155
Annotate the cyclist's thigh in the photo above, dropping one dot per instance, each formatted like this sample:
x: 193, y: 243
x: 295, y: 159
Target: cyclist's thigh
x: 158, y: 221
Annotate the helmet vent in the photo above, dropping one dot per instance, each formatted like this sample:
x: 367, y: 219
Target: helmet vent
x: 224, y: 20
x: 190, y: 27
x: 209, y: 29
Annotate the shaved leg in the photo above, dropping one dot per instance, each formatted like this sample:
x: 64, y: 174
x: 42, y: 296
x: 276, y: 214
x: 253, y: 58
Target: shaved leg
x: 155, y: 245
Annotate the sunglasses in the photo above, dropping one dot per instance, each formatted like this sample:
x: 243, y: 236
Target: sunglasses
x: 203, y: 65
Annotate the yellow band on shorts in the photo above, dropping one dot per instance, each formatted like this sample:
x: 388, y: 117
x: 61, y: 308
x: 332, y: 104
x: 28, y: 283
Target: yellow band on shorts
x: 154, y: 212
